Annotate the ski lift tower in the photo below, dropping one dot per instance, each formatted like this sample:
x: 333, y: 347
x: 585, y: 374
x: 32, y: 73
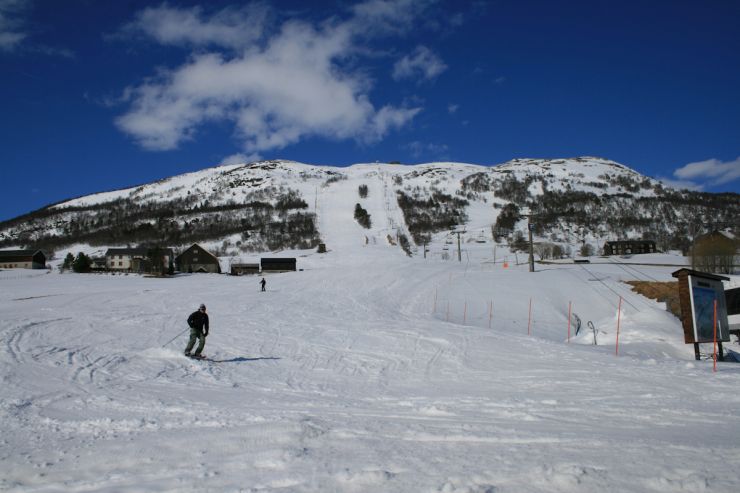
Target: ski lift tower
x: 458, y: 232
x: 526, y: 212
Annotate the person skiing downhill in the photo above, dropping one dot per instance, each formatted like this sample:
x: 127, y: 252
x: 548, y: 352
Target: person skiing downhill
x: 262, y: 283
x: 198, y: 322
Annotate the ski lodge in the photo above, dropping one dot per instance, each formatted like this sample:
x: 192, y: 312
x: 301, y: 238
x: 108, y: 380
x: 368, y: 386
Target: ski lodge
x: 629, y: 247
x: 22, y: 259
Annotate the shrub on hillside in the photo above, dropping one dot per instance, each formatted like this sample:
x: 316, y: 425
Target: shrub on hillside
x: 362, y: 217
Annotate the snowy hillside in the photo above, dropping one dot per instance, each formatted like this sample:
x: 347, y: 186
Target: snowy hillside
x: 277, y: 205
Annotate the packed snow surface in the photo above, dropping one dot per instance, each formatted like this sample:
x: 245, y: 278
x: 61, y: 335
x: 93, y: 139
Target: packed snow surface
x: 364, y: 371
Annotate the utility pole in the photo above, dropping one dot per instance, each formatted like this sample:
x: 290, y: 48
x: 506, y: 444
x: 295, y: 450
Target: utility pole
x: 459, y: 255
x: 528, y: 214
x: 530, y: 227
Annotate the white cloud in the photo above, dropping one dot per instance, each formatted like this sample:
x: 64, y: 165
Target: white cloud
x: 291, y: 85
x: 422, y: 63
x: 378, y: 17
x: 452, y: 108
x: 240, y: 158
x: 230, y: 27
x: 681, y: 184
x: 419, y: 149
x: 11, y: 24
x: 712, y: 171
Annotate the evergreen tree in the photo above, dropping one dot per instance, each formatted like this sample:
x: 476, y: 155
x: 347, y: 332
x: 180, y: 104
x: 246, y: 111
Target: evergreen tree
x: 68, y: 260
x: 362, y: 217
x: 81, y: 263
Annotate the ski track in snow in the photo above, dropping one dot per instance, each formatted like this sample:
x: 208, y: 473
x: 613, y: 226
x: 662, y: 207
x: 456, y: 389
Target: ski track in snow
x: 354, y: 375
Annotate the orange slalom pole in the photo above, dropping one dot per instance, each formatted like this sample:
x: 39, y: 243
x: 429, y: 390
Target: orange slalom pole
x: 529, y: 323
x: 619, y: 318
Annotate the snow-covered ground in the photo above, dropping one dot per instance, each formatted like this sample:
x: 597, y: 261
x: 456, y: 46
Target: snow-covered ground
x: 365, y: 371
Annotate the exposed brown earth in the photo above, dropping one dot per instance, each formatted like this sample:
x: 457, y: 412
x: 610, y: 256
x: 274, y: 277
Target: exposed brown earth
x: 660, y: 291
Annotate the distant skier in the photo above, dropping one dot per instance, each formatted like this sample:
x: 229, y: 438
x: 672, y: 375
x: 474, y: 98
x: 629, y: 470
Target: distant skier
x: 198, y: 322
x: 262, y: 283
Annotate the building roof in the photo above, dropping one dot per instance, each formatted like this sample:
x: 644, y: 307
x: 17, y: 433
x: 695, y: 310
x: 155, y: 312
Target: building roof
x: 722, y: 234
x: 215, y: 258
x: 697, y: 273
x: 143, y: 251
x: 629, y: 241
x: 19, y: 253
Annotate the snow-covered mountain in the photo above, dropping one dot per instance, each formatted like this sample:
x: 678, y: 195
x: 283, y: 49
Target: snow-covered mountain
x: 365, y: 370
x: 274, y: 205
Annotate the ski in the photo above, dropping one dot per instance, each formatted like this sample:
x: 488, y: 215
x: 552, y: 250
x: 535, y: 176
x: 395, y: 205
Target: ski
x: 200, y: 357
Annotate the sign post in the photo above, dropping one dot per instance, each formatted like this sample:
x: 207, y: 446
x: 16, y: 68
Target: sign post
x: 698, y: 292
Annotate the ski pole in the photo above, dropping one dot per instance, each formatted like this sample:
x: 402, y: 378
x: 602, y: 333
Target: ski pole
x: 178, y: 335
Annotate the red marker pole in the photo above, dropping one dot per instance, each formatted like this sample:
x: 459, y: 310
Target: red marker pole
x: 529, y: 323
x: 715, y: 336
x: 570, y: 305
x: 619, y: 319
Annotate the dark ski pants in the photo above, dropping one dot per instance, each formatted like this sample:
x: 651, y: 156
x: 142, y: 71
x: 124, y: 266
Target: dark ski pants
x: 196, y: 334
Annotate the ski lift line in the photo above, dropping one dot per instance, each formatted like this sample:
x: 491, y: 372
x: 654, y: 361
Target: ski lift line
x: 591, y: 287
x: 607, y: 286
x: 625, y: 267
x: 642, y: 301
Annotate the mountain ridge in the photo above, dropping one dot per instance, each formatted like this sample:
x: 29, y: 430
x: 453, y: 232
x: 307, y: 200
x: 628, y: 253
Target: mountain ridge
x: 273, y: 205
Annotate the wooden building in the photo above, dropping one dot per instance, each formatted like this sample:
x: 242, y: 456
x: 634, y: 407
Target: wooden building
x: 22, y: 259
x: 244, y: 269
x: 629, y: 247
x: 278, y: 264
x: 137, y: 259
x: 716, y: 252
x: 198, y: 259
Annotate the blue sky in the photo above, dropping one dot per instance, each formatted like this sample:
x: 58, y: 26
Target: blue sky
x: 99, y: 95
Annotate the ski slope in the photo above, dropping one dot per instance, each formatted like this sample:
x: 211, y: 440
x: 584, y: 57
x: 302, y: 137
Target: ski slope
x: 365, y: 371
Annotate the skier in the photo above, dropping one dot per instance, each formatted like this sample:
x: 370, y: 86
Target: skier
x: 198, y: 322
x: 262, y: 283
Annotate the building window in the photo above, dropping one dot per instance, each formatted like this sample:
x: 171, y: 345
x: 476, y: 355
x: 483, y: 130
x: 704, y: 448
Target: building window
x: 195, y: 259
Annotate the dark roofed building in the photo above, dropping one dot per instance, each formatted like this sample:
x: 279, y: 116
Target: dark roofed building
x: 198, y: 259
x: 244, y: 269
x: 22, y: 259
x: 278, y: 264
x: 629, y: 247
